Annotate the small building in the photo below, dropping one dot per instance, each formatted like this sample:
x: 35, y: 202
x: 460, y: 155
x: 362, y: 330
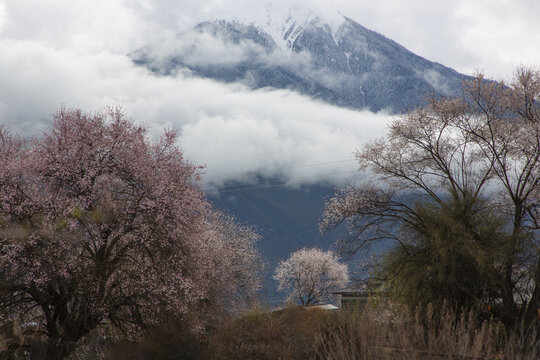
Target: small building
x: 353, y: 298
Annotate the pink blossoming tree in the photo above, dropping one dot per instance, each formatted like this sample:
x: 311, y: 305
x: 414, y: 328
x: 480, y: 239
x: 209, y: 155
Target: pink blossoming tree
x: 99, y: 225
x: 235, y: 274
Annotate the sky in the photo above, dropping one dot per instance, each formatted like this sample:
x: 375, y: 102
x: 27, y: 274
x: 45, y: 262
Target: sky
x: 74, y: 53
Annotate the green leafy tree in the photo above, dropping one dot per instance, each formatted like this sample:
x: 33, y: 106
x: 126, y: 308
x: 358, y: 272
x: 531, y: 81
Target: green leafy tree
x: 451, y: 257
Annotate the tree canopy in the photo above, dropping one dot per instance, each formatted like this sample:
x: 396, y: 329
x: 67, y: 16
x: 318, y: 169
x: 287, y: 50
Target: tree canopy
x: 455, y: 185
x: 310, y: 275
x: 101, y: 226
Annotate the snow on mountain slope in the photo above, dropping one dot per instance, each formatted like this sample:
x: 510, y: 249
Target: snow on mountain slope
x: 342, y: 63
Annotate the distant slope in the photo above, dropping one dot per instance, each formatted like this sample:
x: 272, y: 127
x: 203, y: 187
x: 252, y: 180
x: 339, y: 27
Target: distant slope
x: 351, y: 66
x: 287, y: 219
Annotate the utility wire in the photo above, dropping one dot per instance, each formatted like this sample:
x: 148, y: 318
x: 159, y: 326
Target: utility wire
x: 227, y: 187
x: 252, y: 188
x: 283, y: 183
x: 322, y: 163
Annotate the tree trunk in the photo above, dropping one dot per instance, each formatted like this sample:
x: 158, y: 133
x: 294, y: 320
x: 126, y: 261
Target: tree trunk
x: 511, y: 313
x: 532, y: 313
x: 58, y: 349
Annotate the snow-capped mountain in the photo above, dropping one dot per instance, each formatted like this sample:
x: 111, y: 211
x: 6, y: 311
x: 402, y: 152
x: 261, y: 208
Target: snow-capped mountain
x: 342, y: 63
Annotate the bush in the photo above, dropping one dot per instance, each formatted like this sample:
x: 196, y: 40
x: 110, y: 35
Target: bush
x: 380, y: 331
x: 283, y: 334
x: 173, y: 341
x: 385, y: 332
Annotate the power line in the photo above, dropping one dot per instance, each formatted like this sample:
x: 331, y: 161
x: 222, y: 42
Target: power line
x: 283, y: 183
x: 252, y: 188
x: 322, y: 163
x: 278, y: 179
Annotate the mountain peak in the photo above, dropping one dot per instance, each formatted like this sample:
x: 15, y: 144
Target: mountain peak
x: 340, y: 62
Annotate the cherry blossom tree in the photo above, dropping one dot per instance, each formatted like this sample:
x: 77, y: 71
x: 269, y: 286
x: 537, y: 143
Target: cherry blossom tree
x: 310, y: 275
x: 100, y: 226
x: 237, y: 270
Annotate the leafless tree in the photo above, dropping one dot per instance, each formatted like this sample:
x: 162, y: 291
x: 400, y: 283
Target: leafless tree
x: 476, y: 156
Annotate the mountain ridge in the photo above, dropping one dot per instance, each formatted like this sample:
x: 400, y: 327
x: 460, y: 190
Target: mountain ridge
x: 348, y: 65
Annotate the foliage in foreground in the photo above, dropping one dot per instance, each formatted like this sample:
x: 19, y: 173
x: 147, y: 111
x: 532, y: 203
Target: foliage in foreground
x: 381, y: 331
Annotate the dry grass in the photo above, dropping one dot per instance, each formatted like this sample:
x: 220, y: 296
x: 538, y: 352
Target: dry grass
x: 381, y: 331
x: 285, y: 334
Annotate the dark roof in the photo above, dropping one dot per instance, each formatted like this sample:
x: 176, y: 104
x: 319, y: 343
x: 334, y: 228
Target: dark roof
x: 353, y: 293
x: 354, y: 290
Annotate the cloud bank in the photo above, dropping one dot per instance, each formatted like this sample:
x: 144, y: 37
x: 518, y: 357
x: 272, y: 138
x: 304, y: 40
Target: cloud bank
x: 234, y: 131
x: 61, y: 52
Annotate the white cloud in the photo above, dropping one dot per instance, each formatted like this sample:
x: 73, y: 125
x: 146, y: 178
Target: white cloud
x: 202, y: 48
x: 434, y: 78
x: 58, y: 52
x: 233, y: 130
x: 2, y: 16
x: 275, y: 133
x: 206, y: 46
